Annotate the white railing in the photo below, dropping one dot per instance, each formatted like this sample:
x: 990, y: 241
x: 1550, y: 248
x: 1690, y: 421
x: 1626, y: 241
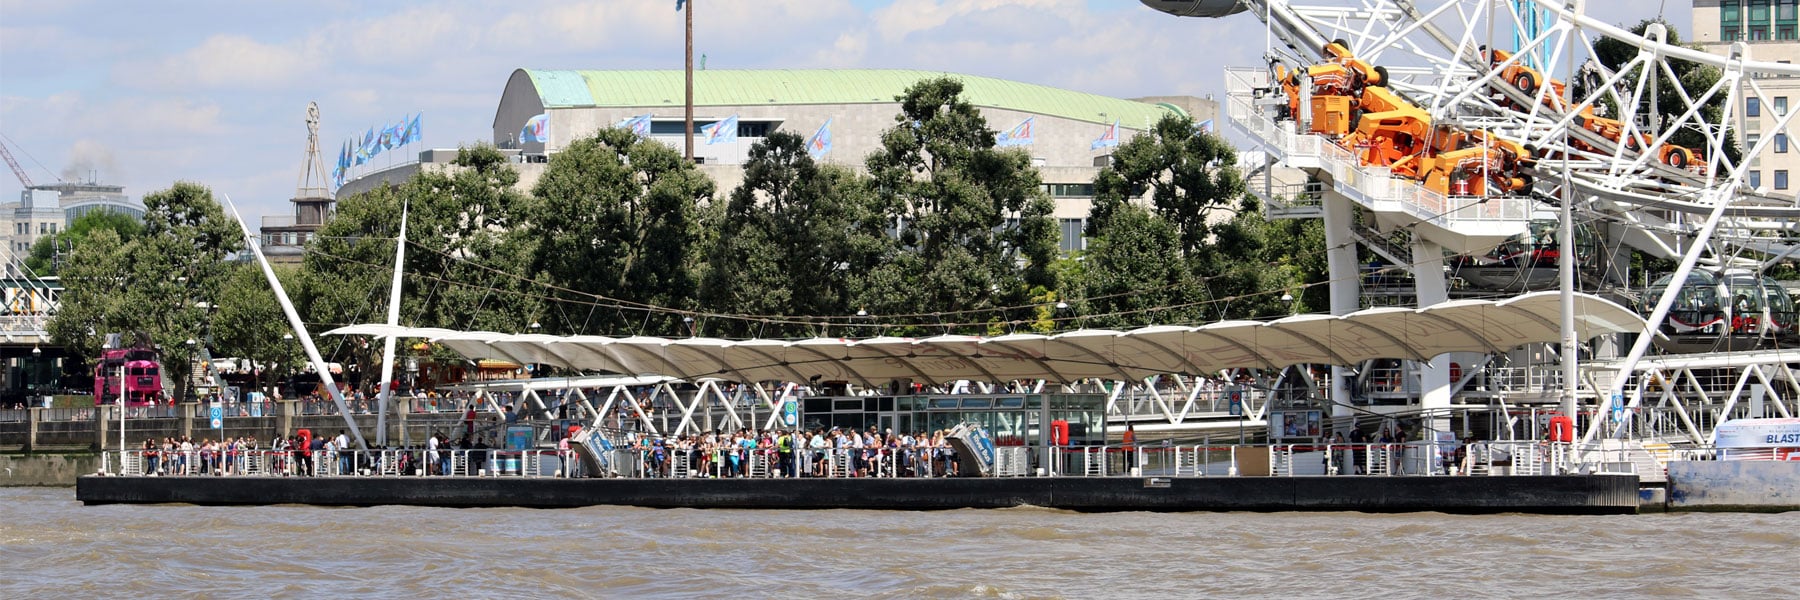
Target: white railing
x: 1415, y: 458
x: 350, y: 463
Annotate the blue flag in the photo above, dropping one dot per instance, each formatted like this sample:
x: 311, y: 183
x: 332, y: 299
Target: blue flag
x: 1204, y: 126
x: 372, y: 140
x: 537, y: 129
x: 362, y: 150
x: 414, y: 131
x: 678, y: 4
x: 1109, y: 139
x: 639, y: 125
x: 343, y: 161
x: 721, y: 132
x: 820, y: 144
x: 1022, y: 135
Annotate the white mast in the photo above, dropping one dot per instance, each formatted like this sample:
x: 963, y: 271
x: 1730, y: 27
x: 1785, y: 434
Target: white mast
x: 393, y: 319
x: 293, y: 316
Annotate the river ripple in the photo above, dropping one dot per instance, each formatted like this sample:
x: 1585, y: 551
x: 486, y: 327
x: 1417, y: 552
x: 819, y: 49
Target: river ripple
x: 53, y: 547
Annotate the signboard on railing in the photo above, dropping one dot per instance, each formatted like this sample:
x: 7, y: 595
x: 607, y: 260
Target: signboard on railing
x: 217, y: 414
x: 1295, y: 424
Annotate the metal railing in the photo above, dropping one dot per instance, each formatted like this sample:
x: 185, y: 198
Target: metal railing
x: 492, y: 462
x: 1417, y: 458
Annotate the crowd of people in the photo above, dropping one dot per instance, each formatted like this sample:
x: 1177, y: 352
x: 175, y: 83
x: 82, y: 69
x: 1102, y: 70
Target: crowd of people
x: 817, y: 453
x: 184, y: 456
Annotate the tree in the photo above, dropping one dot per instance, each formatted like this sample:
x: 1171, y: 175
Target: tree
x: 1246, y: 269
x: 470, y: 264
x: 48, y: 252
x: 1237, y: 264
x: 160, y: 283
x: 95, y: 295
x: 346, y: 273
x: 249, y: 322
x: 791, y: 242
x: 1189, y: 174
x: 1134, y: 269
x: 618, y: 216
x: 1693, y: 77
x: 973, y: 221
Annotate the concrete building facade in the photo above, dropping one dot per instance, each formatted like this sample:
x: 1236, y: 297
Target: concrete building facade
x: 1771, y: 31
x: 43, y: 210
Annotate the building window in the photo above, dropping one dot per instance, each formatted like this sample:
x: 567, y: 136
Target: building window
x: 1752, y: 107
x: 745, y: 128
x: 1755, y: 179
x: 1781, y: 179
x: 1069, y: 190
x: 1781, y: 106
x: 1071, y: 234
x: 1780, y: 143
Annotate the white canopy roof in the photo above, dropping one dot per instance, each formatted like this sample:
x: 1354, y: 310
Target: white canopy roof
x: 1457, y: 326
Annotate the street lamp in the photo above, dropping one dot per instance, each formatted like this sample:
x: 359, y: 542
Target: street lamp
x: 287, y: 341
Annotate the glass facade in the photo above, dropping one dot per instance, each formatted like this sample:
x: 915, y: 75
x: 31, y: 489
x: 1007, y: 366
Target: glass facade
x: 1731, y: 21
x: 1071, y: 234
x: 1011, y: 419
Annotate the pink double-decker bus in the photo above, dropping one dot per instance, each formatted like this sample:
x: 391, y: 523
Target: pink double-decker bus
x: 142, y: 383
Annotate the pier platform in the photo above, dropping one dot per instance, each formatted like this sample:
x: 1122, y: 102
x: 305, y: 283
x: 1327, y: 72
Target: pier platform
x: 1547, y: 494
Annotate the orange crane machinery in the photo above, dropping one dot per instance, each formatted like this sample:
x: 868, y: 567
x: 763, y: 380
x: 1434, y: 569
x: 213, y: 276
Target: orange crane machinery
x: 1489, y: 165
x: 1352, y: 104
x: 1337, y: 88
x: 1390, y: 131
x: 1529, y: 81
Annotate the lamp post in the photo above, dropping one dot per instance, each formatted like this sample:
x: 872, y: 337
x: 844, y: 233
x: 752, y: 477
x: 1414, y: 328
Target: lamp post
x: 287, y: 363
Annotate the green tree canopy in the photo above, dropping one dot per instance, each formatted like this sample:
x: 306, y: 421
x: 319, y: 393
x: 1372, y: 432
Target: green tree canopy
x: 159, y: 283
x: 1693, y: 78
x: 974, y: 223
x: 793, y: 241
x: 48, y: 252
x: 249, y: 322
x: 618, y: 216
x: 1190, y: 176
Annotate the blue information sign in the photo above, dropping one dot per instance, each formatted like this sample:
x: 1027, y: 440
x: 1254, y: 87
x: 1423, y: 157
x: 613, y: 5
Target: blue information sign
x: 217, y: 415
x: 790, y: 413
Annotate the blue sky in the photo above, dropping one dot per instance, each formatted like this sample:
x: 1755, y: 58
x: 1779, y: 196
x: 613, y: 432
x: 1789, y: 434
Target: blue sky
x: 148, y: 93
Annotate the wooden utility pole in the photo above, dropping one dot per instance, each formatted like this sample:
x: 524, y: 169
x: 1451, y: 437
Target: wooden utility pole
x: 689, y: 97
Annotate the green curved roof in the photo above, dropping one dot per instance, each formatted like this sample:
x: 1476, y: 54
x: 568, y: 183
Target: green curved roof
x: 567, y: 89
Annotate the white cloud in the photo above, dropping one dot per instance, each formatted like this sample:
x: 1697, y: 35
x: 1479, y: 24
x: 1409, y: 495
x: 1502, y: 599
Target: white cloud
x: 221, y: 61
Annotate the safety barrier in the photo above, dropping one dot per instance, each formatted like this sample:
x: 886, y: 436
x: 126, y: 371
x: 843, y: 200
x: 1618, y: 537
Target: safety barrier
x: 348, y: 463
x: 1416, y: 458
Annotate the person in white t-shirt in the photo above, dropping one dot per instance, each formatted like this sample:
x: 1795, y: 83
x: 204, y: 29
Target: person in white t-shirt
x: 432, y: 466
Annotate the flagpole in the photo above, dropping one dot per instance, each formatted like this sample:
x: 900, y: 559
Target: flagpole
x: 689, y: 67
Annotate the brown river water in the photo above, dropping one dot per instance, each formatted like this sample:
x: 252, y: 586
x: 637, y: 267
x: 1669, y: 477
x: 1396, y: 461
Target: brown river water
x: 53, y: 547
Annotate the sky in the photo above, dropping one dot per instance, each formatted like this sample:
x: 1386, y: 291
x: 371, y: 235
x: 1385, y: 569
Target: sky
x: 143, y: 94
